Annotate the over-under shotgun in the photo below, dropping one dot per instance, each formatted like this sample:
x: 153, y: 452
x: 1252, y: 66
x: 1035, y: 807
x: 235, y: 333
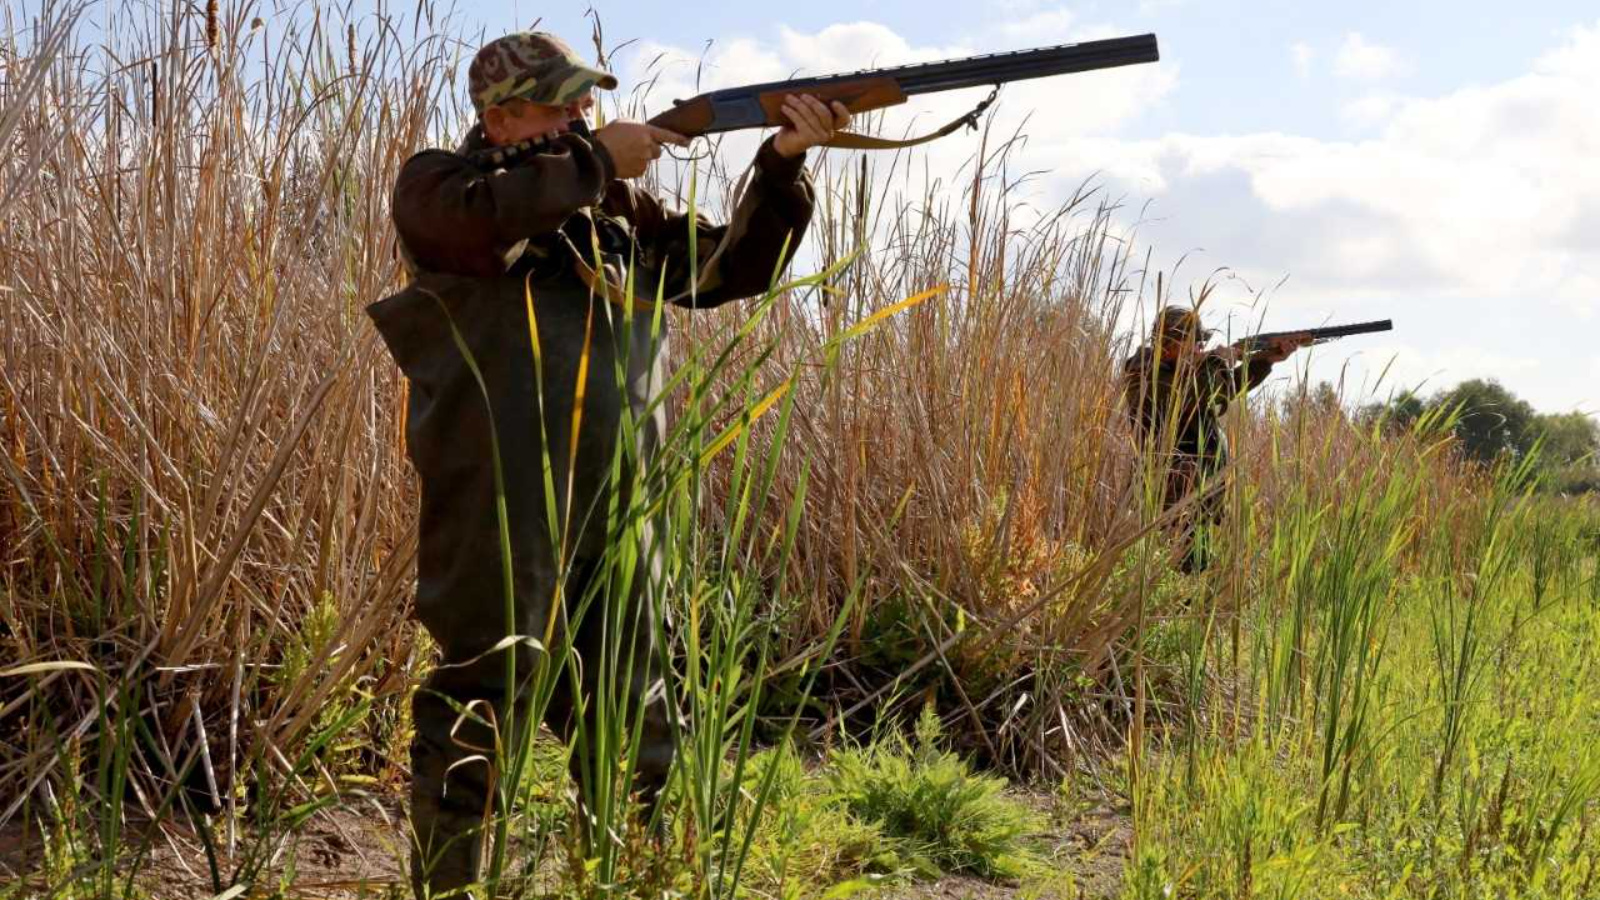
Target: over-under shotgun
x: 760, y: 105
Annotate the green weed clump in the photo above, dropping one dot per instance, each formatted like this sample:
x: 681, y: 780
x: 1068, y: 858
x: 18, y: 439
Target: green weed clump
x: 936, y: 813
x: 888, y: 812
x: 808, y: 841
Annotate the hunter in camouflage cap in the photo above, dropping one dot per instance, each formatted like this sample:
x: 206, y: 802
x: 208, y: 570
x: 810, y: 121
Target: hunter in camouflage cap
x: 533, y: 66
x: 1180, y: 324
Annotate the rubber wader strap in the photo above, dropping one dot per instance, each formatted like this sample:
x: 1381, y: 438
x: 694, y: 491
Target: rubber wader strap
x: 614, y: 290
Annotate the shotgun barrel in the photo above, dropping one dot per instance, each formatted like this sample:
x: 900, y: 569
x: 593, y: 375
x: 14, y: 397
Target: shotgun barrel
x: 1256, y: 342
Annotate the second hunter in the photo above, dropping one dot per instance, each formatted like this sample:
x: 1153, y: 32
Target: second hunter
x: 1176, y: 393
x: 521, y: 206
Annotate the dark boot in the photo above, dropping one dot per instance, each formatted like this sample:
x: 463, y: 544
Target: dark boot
x: 447, y: 849
x: 447, y: 804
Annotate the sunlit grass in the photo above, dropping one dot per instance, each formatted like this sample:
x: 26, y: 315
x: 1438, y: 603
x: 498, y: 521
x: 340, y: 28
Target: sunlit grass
x: 1463, y: 767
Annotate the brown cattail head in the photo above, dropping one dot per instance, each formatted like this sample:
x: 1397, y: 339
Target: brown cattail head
x: 211, y: 24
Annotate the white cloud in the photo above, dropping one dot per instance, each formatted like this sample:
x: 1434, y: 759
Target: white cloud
x: 1369, y: 110
x: 1303, y: 55
x: 858, y: 45
x: 1042, y: 27
x: 1488, y: 191
x: 1407, y: 366
x: 1360, y: 59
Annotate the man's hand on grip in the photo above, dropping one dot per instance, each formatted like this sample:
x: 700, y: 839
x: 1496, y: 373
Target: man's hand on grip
x: 634, y: 145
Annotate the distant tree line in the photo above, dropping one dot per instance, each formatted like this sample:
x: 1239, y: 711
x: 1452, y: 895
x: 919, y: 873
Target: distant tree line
x: 1490, y: 424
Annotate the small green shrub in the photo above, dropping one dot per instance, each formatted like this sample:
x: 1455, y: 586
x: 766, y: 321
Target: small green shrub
x: 933, y: 809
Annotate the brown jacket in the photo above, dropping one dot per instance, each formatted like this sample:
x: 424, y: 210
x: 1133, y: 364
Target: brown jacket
x: 482, y: 230
x: 1183, y: 402
x: 462, y: 214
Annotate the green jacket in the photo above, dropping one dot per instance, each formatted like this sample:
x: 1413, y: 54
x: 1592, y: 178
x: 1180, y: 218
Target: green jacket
x: 480, y: 227
x: 1177, y: 406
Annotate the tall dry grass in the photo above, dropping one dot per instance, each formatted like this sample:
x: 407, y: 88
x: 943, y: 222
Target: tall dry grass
x: 205, y: 498
x: 201, y: 444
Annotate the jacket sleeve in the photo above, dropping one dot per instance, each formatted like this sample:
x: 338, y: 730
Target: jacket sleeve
x: 1249, y: 376
x: 1137, y: 392
x: 455, y: 217
x: 1228, y: 380
x: 771, y: 218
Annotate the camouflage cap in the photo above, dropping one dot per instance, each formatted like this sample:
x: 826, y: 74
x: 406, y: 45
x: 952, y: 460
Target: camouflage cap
x: 1180, y: 323
x: 533, y: 66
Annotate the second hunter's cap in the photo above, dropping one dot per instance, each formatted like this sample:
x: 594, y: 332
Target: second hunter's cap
x: 533, y: 66
x: 1180, y: 323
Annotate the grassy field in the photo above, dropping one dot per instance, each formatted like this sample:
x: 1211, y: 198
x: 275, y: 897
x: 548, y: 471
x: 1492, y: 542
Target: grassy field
x: 927, y: 631
x: 1379, y: 725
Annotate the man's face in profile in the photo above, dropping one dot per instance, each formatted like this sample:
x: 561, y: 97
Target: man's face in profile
x: 1179, y: 345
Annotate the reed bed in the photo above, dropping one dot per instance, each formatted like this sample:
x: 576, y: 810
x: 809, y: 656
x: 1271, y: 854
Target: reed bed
x: 207, y: 520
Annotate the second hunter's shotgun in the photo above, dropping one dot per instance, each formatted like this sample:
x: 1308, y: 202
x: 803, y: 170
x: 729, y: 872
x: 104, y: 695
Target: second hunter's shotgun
x: 760, y: 105
x: 1255, y: 343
